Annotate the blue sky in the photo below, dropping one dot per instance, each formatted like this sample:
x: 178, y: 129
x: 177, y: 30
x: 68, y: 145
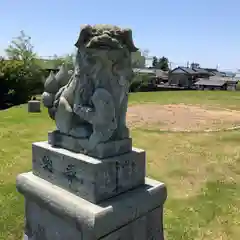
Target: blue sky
x: 203, y: 31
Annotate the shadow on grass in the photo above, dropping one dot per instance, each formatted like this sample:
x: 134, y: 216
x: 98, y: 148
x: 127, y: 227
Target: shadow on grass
x: 187, y: 218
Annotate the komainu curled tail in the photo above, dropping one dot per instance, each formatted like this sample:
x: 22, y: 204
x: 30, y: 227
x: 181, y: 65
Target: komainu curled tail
x: 53, y: 88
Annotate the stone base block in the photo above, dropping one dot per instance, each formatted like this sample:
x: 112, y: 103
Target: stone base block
x: 102, y: 150
x: 52, y: 213
x: 90, y: 178
x: 34, y: 106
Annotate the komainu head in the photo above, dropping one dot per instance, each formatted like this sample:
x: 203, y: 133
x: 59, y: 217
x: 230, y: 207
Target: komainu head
x: 105, y: 37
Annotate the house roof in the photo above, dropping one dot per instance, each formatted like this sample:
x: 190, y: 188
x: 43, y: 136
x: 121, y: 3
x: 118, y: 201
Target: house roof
x: 144, y: 70
x: 161, y: 74
x: 229, y: 74
x: 207, y: 82
x: 189, y: 71
x: 219, y: 74
x: 226, y: 79
x: 201, y: 71
x: 157, y: 72
x: 211, y: 69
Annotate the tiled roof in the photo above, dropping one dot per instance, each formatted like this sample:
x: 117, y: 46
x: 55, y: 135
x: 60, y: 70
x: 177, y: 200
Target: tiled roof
x: 188, y: 70
x: 219, y: 74
x: 183, y: 69
x: 144, y: 70
x: 161, y: 74
x: 157, y: 72
x: 211, y: 69
x: 192, y: 71
x: 201, y: 71
x: 226, y: 79
x: 207, y: 82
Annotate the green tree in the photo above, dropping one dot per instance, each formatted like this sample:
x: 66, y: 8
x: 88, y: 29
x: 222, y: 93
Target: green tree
x: 195, y: 65
x: 163, y: 64
x: 155, y: 62
x: 21, y: 77
x: 14, y: 83
x: 21, y: 48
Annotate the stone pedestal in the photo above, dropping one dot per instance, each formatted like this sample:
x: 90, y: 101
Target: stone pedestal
x: 34, y: 106
x: 73, y: 196
x: 90, y: 178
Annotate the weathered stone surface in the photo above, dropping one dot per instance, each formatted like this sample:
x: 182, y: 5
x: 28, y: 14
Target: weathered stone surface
x: 47, y: 99
x: 80, y: 145
x: 93, y: 102
x: 51, y: 85
x: 54, y: 214
x: 105, y: 36
x: 90, y: 178
x: 34, y: 106
x: 62, y: 76
x: 146, y: 227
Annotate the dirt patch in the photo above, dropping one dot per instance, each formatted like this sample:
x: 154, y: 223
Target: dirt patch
x: 181, y: 117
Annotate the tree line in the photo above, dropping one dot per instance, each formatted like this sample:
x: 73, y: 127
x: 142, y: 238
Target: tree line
x: 22, y: 73
x: 160, y: 63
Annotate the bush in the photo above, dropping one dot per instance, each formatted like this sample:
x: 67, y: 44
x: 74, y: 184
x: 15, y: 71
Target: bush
x: 18, y: 82
x: 141, y: 82
x: 238, y: 86
x: 135, y: 86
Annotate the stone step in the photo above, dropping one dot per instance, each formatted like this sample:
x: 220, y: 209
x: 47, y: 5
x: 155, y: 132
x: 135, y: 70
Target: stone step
x: 54, y: 213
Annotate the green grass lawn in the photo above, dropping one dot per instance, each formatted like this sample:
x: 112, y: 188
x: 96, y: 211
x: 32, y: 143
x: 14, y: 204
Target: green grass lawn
x: 201, y: 170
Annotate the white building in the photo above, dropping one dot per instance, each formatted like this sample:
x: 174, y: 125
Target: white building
x: 237, y: 76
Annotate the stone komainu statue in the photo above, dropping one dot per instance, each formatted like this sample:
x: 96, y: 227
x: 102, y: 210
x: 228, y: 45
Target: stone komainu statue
x: 92, y: 103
